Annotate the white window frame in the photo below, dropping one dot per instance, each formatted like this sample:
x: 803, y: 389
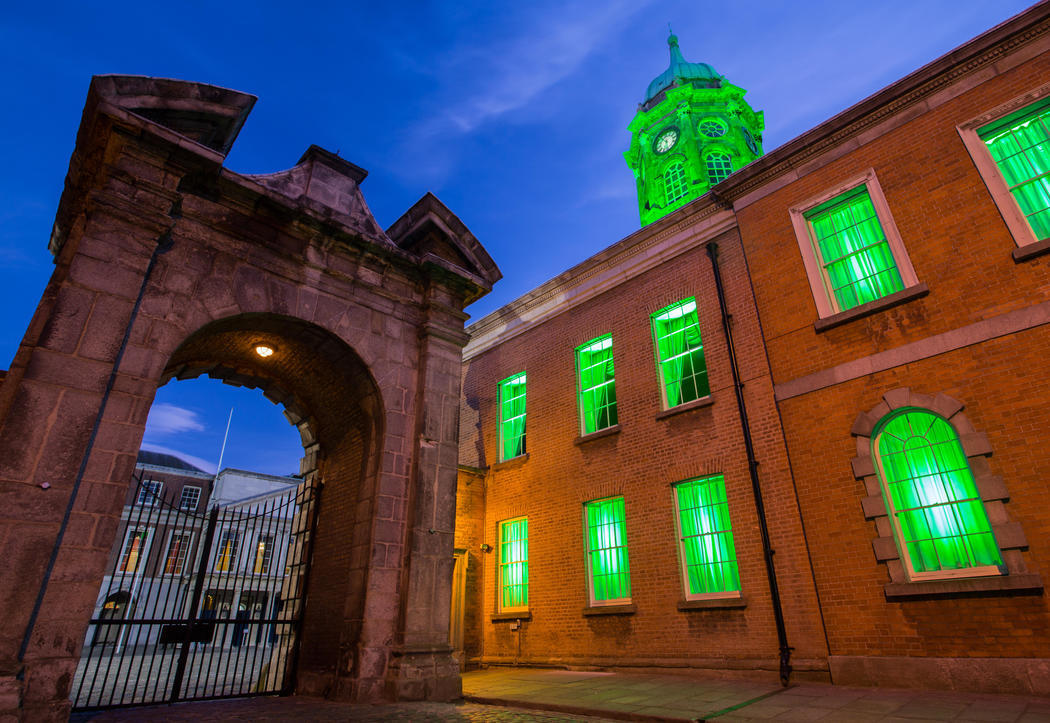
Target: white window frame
x: 186, y: 558
x: 145, y: 499
x: 592, y: 601
x: 683, y: 562
x: 196, y: 500
x: 818, y: 282
x: 266, y: 550
x: 143, y: 558
x: 500, y: 563
x: 1016, y: 223
x: 235, y: 557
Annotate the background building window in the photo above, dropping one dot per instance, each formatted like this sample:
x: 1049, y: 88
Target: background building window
x: 707, y: 553
x: 594, y: 362
x: 938, y: 517
x: 1020, y: 146
x: 226, y: 551
x: 149, y: 493
x: 680, y: 353
x: 608, y: 573
x: 512, y: 416
x: 134, y: 549
x: 514, y: 565
x: 175, y: 559
x: 676, y: 186
x: 263, y: 555
x: 719, y: 167
x: 190, y: 498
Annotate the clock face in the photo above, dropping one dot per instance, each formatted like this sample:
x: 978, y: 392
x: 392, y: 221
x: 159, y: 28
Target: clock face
x: 713, y: 127
x: 752, y: 146
x: 666, y: 140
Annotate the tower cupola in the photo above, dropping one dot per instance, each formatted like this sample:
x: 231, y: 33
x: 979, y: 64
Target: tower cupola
x: 692, y: 130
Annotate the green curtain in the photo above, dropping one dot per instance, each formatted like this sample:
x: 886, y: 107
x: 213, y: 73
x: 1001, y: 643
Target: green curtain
x: 856, y: 256
x: 680, y: 352
x: 707, y: 537
x: 512, y: 415
x: 514, y: 563
x: 607, y: 548
x: 1022, y: 152
x: 933, y: 495
x: 597, y: 384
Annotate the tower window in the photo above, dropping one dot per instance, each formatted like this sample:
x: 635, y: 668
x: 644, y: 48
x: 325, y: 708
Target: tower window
x: 712, y: 127
x: 719, y: 167
x: 675, y: 185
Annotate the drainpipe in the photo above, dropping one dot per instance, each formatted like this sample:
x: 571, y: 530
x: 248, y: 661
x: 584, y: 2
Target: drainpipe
x: 752, y: 464
x: 164, y: 244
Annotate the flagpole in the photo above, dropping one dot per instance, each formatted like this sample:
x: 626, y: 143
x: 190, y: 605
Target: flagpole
x: 224, y: 438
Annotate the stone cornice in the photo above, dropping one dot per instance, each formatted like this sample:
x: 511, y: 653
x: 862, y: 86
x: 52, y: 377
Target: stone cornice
x: 646, y: 248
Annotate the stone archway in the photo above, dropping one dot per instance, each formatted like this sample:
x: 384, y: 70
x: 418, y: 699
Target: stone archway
x: 169, y: 264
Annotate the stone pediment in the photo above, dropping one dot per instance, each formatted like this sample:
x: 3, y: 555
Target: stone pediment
x: 432, y: 232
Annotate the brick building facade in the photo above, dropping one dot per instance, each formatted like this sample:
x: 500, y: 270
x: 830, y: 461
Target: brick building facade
x: 943, y: 329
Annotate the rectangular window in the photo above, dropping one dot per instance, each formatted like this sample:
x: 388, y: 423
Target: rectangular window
x: 680, y: 353
x: 149, y: 493
x: 850, y: 246
x: 190, y: 498
x: 608, y: 573
x: 706, y: 539
x: 514, y: 565
x: 512, y: 416
x: 263, y: 555
x: 1012, y: 153
x: 134, y: 549
x: 226, y: 551
x: 594, y: 364
x: 178, y: 547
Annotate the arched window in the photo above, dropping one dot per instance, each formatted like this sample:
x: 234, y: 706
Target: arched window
x: 675, y: 185
x: 719, y: 166
x: 938, y: 517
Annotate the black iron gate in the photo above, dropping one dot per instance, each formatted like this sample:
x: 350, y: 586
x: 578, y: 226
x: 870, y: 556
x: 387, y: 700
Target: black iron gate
x: 199, y: 605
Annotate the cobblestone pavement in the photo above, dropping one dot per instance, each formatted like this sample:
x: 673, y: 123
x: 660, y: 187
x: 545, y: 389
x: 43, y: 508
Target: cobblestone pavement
x: 313, y: 709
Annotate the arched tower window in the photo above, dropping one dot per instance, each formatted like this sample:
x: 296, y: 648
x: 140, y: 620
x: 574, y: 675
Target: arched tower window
x: 938, y: 517
x: 719, y: 166
x: 675, y: 185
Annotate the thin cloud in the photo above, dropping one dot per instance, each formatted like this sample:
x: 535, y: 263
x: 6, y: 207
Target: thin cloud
x: 199, y: 462
x: 168, y: 419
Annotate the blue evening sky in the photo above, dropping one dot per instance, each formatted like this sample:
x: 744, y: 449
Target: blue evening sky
x: 513, y: 114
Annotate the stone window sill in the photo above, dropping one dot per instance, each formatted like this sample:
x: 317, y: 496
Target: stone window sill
x: 964, y: 586
x: 502, y: 617
x: 512, y: 462
x: 695, y: 404
x: 872, y: 307
x: 607, y: 432
x: 1030, y: 251
x: 627, y: 609
x: 708, y: 603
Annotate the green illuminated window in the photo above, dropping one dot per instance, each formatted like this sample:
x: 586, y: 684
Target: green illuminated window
x: 679, y: 353
x: 706, y: 537
x: 855, y: 258
x: 712, y: 127
x: 1020, y: 146
x: 719, y: 167
x: 940, y: 522
x: 675, y: 184
x: 608, y: 573
x: 512, y: 416
x: 594, y: 364
x: 514, y: 565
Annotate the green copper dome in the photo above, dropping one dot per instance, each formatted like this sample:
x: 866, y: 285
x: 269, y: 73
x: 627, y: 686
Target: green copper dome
x: 679, y: 70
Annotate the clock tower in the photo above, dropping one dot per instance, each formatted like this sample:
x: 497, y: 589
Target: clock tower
x: 692, y: 130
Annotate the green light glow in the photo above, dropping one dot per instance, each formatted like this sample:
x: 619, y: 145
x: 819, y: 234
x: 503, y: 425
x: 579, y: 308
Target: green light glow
x: 931, y: 494
x: 594, y: 364
x: 707, y: 536
x: 1020, y: 145
x: 693, y: 129
x: 607, y: 551
x: 514, y: 564
x: 680, y: 353
x: 858, y: 265
x: 512, y: 416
